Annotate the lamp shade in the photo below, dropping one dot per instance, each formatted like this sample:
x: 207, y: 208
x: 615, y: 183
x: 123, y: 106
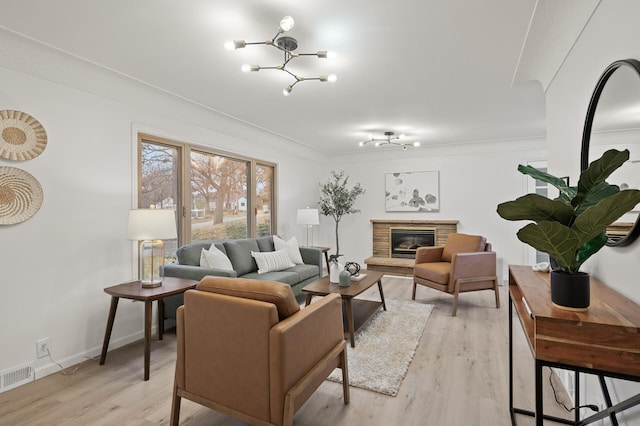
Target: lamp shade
x: 308, y: 217
x: 152, y: 224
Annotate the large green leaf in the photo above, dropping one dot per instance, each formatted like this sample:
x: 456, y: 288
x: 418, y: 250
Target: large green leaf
x: 536, y: 208
x: 595, y: 219
x: 559, y: 241
x: 597, y: 193
x: 589, y: 248
x: 559, y: 183
x: 598, y: 171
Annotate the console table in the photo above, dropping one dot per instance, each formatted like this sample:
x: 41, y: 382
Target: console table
x: 604, y: 341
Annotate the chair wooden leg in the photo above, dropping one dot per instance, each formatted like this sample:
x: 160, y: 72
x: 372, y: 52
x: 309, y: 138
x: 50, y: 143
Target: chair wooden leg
x: 456, y: 290
x: 495, y: 288
x: 344, y: 366
x: 413, y: 295
x: 287, y: 418
x: 175, y: 407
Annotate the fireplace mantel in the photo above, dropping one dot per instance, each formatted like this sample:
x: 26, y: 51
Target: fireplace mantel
x: 381, y: 260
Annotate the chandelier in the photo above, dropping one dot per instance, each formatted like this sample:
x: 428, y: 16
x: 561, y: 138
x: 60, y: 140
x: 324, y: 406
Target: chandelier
x: 287, y: 45
x: 390, y: 138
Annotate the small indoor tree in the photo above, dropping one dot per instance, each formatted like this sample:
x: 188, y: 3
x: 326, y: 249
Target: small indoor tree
x: 337, y: 200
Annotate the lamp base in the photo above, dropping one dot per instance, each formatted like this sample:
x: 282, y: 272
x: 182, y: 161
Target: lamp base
x: 151, y: 284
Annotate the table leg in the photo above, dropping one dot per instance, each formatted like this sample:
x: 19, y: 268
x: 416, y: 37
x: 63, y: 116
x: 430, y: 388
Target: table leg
x: 160, y: 318
x: 384, y: 305
x: 326, y: 259
x: 349, y: 309
x: 538, y: 385
x: 147, y: 337
x: 107, y: 332
x: 308, y: 299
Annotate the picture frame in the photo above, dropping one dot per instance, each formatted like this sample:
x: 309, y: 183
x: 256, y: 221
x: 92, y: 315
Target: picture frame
x: 412, y: 191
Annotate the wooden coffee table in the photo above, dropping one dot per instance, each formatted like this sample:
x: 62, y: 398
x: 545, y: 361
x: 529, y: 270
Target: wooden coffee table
x: 355, y: 312
x: 133, y: 290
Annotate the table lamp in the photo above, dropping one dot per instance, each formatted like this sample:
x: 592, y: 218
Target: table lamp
x: 307, y: 218
x: 150, y: 227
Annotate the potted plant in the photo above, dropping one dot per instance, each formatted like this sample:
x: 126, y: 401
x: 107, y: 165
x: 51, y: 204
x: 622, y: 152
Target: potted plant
x: 337, y: 200
x: 573, y: 226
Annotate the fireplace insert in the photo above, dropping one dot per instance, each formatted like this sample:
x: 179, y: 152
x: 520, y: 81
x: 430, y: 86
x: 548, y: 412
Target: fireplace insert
x: 405, y: 241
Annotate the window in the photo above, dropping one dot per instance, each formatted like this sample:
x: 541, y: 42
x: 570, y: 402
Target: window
x: 217, y: 195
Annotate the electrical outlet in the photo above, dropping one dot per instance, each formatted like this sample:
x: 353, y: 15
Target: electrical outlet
x: 43, y: 347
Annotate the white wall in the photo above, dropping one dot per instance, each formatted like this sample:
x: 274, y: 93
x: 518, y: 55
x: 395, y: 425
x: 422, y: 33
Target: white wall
x: 53, y: 267
x: 474, y: 179
x: 611, y: 34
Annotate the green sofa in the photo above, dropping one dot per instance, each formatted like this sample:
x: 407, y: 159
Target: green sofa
x: 244, y: 266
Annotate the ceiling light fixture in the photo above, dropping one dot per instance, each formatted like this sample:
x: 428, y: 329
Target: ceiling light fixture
x: 287, y: 45
x: 390, y: 138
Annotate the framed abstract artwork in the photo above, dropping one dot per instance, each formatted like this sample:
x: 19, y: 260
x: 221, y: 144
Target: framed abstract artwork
x: 412, y: 192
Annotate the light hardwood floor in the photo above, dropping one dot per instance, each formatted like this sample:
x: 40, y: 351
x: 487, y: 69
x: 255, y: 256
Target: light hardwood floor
x: 459, y: 376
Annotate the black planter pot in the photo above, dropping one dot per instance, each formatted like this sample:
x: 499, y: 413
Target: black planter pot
x: 570, y: 291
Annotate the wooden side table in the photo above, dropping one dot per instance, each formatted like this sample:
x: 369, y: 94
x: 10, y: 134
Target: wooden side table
x: 325, y: 250
x: 133, y: 290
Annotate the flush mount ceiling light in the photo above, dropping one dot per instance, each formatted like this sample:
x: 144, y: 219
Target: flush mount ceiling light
x: 390, y: 138
x: 287, y: 45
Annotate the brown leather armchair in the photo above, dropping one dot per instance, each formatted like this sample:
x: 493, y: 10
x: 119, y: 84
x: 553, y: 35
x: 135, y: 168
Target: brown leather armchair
x: 246, y: 349
x: 465, y: 263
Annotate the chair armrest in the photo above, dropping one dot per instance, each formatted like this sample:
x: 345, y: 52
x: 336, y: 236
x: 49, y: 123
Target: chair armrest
x: 312, y: 256
x: 469, y: 265
x: 429, y: 254
x: 179, y: 376
x: 299, y: 342
x: 195, y: 273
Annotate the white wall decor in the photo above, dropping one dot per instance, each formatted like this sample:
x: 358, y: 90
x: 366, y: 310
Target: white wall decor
x: 412, y: 192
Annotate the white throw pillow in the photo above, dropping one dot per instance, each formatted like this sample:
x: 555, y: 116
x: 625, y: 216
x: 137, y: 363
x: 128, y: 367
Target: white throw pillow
x: 291, y: 246
x: 270, y: 261
x: 215, y: 259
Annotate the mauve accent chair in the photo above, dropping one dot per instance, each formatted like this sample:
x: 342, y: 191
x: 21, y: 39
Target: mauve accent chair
x: 464, y: 263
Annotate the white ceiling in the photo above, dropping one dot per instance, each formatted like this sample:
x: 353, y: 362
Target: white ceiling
x: 439, y: 71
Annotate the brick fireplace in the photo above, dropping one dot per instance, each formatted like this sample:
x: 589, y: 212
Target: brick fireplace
x: 413, y: 233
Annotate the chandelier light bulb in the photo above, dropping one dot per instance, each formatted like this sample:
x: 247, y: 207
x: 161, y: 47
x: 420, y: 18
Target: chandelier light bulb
x: 229, y: 45
x: 287, y: 23
x: 401, y: 136
x: 287, y: 90
x: 245, y: 67
x: 416, y: 144
x: 377, y: 144
x: 332, y: 78
x: 331, y: 55
x: 361, y: 143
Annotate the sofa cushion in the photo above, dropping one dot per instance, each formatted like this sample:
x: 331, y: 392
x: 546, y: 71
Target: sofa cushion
x: 272, y: 260
x: 277, y: 293
x: 286, y: 277
x: 305, y: 271
x: 190, y: 254
x: 291, y: 246
x: 462, y: 243
x: 215, y: 258
x: 265, y: 243
x: 239, y: 253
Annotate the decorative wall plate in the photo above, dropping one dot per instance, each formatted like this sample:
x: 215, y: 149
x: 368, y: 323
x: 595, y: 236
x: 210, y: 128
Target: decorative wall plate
x: 22, y: 137
x: 20, y: 195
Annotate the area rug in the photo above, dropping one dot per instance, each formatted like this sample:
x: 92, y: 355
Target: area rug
x: 385, y: 347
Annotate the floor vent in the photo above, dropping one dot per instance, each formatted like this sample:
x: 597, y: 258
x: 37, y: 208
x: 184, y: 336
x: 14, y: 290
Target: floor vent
x: 15, y: 377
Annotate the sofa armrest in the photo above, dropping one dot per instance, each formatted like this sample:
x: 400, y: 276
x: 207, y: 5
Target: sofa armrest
x: 312, y: 256
x: 429, y: 254
x: 194, y: 272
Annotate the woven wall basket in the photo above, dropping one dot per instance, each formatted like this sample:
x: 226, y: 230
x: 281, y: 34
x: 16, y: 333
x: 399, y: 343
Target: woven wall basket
x: 20, y: 195
x: 22, y: 137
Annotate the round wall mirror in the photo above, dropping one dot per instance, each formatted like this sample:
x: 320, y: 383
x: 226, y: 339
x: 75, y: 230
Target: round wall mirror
x: 613, y: 122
